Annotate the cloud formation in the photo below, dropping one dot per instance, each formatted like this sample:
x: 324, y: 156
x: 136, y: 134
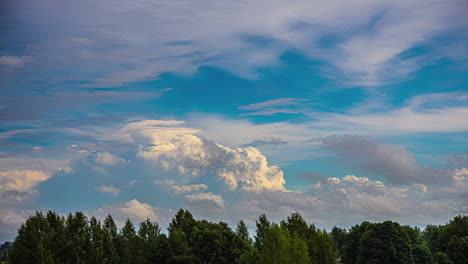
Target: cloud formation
x: 181, y: 150
x: 189, y: 188
x: 208, y: 200
x: 396, y: 164
x: 19, y: 183
x: 236, y: 38
x: 107, y: 159
x: 276, y: 106
x: 108, y: 189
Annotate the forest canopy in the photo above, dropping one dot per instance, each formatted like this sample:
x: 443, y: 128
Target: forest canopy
x: 52, y: 238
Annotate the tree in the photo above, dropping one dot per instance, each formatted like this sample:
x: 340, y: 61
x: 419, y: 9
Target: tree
x: 262, y: 227
x: 180, y: 237
x: 242, y: 231
x: 5, y: 249
x: 51, y: 238
x: 298, y: 251
x: 250, y: 255
x: 386, y: 242
x: 275, y: 246
x: 296, y: 225
x: 127, y: 244
x: 77, y: 232
x: 339, y: 237
x: 351, y: 248
x: 182, y: 221
x: 97, y: 234
x: 419, y: 249
x: 150, y: 243
x: 31, y: 245
x: 321, y: 247
x: 450, y: 240
x: 110, y: 240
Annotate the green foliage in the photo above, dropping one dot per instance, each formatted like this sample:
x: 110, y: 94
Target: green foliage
x: 339, y: 237
x: 5, y: 250
x: 242, y: 231
x: 34, y: 241
x: 52, y: 238
x: 262, y: 227
x: 385, y: 243
x: 296, y: 225
x: 275, y: 246
x: 449, y: 242
x: 298, y: 250
x: 250, y: 255
x: 321, y: 247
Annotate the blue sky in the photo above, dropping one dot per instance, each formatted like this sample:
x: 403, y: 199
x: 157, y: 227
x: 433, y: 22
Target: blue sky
x: 342, y: 110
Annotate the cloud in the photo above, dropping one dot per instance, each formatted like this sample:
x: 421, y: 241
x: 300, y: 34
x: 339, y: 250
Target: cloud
x: 18, y: 183
x: 406, y: 120
x: 108, y: 189
x: 180, y: 150
x: 189, y: 188
x: 282, y: 105
x: 275, y: 141
x: 365, y: 38
x: 171, y: 158
x: 138, y: 210
x: 396, y: 164
x: 14, y: 61
x: 10, y: 220
x: 315, y: 177
x: 459, y: 189
x: 208, y: 200
x: 107, y: 159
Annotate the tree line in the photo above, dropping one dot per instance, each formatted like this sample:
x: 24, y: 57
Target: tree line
x: 52, y: 238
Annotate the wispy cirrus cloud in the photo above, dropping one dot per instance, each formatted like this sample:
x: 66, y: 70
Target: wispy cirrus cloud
x: 275, y: 106
x: 359, y: 40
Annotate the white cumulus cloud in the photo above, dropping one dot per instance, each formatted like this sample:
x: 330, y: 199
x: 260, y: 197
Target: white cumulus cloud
x: 138, y: 210
x: 182, y: 151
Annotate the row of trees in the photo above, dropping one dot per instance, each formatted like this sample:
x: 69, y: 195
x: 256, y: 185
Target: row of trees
x: 51, y: 238
x: 389, y: 242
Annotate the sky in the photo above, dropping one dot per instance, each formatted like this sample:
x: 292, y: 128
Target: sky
x: 343, y: 111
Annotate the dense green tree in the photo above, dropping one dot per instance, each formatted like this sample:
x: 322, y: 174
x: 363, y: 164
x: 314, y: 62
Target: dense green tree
x: 275, y: 246
x: 127, y: 244
x: 262, y: 227
x: 5, y: 249
x: 51, y: 238
x: 182, y: 221
x: 180, y: 250
x: 298, y: 251
x: 153, y: 246
x: 59, y: 242
x: 321, y: 247
x: 33, y: 242
x: 250, y: 255
x: 339, y: 237
x: 109, y: 229
x: 385, y: 243
x: 441, y: 258
x: 449, y: 240
x: 296, y: 225
x: 77, y: 231
x: 419, y: 249
x: 96, y: 252
x: 242, y: 231
x: 351, y: 248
